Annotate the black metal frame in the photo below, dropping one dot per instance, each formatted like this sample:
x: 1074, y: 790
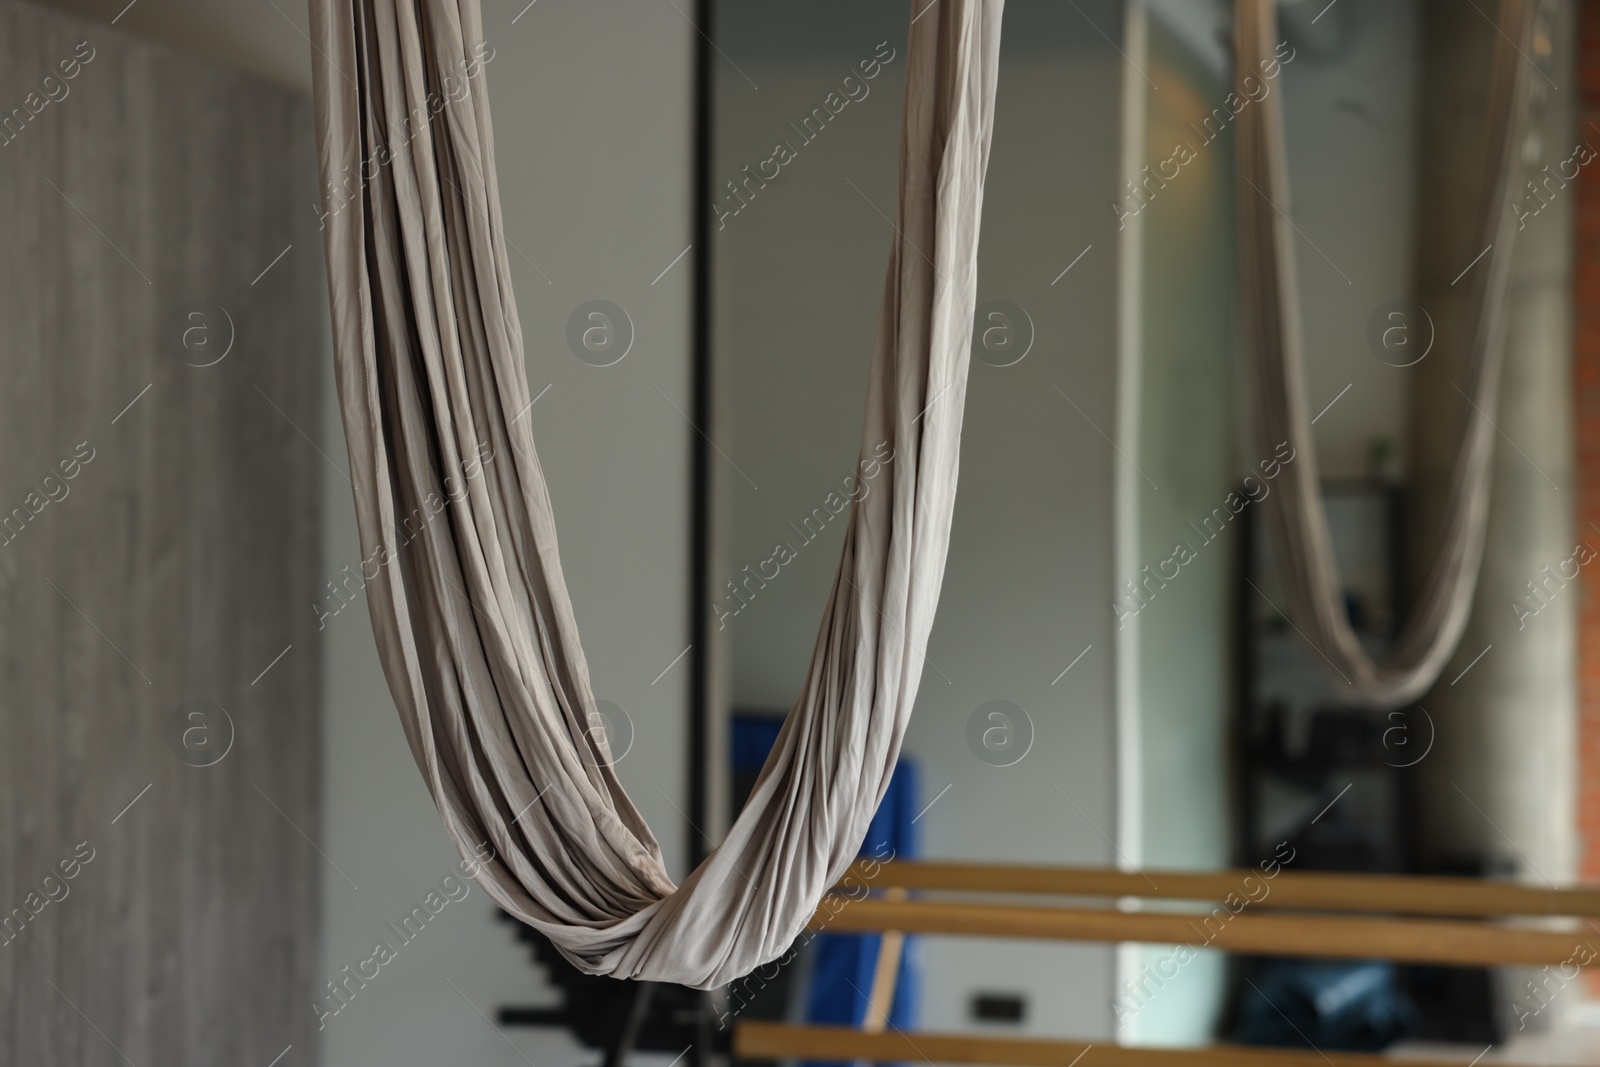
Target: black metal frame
x: 699, y: 784
x: 700, y: 505
x: 700, y: 508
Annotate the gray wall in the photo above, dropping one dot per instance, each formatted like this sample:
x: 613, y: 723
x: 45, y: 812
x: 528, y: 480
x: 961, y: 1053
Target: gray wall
x: 592, y: 107
x: 173, y: 565
x: 264, y: 39
x: 1500, y: 784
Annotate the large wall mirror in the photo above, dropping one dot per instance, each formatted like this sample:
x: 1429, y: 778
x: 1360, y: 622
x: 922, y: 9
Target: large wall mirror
x: 1114, y: 679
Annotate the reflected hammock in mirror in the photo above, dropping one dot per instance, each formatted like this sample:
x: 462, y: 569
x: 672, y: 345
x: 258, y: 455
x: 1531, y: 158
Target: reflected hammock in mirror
x: 1296, y: 523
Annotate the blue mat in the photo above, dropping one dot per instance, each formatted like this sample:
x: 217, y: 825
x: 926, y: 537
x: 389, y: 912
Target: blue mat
x: 843, y: 965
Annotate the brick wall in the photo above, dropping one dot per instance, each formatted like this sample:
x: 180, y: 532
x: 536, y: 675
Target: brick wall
x: 1586, y: 370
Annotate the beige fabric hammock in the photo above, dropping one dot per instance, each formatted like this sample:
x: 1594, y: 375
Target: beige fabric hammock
x: 473, y: 622
x: 1296, y: 524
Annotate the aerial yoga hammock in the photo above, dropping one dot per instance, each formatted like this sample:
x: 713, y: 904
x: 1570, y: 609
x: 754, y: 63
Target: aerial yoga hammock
x: 1297, y: 527
x: 473, y: 623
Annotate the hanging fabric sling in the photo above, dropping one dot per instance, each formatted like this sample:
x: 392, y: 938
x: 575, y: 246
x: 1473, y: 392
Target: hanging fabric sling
x: 1296, y: 524
x: 473, y: 623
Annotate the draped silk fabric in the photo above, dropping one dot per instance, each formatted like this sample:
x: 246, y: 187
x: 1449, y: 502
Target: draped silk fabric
x: 1296, y: 523
x: 473, y: 623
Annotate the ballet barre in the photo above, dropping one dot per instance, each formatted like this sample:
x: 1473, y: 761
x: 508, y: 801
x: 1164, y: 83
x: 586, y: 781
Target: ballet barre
x: 1447, y: 921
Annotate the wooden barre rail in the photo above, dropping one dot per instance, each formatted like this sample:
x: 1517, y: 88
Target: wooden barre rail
x: 1459, y: 897
x: 1328, y: 936
x: 762, y: 1040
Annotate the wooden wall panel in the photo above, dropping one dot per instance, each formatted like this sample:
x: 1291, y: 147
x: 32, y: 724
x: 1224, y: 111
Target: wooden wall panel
x: 178, y: 563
